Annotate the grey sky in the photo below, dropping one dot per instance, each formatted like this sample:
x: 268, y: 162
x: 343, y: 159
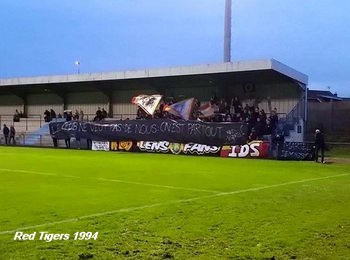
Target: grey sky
x: 46, y: 37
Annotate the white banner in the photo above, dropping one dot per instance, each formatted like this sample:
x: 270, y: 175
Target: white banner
x: 147, y: 103
x: 100, y: 146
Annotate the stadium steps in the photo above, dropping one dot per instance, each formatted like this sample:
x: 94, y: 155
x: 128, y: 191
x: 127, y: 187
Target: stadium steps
x: 34, y: 137
x: 284, y: 127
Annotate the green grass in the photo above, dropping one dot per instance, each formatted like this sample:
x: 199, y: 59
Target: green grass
x: 59, y: 191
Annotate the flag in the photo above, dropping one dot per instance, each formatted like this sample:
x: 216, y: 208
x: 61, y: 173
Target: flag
x: 207, y: 110
x: 147, y: 103
x: 181, y: 109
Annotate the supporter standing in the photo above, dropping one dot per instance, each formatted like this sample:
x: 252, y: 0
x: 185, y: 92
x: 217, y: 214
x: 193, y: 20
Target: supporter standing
x: 98, y: 114
x: 6, y: 131
x: 81, y: 117
x: 268, y: 129
x: 259, y: 128
x: 319, y: 145
x: 52, y: 113
x: 47, y: 116
x: 12, y: 135
x: 76, y: 115
x: 236, y: 104
x: 274, y: 118
x: 103, y: 114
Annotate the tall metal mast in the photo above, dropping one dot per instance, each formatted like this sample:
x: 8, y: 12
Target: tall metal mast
x: 227, y: 35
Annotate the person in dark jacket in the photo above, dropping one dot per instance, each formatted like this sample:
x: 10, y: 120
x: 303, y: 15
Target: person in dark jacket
x: 319, y: 145
x: 103, y: 114
x: 6, y: 131
x: 12, y: 135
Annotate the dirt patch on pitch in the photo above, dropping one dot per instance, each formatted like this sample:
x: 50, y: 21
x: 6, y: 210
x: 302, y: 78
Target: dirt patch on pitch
x: 338, y: 160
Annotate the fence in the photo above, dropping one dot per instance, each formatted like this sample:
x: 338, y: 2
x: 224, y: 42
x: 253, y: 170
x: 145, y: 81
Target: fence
x: 332, y: 118
x: 30, y: 123
x: 34, y: 122
x: 41, y: 140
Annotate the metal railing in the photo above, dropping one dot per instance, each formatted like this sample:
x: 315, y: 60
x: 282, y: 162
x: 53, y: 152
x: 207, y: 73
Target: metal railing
x: 23, y: 138
x: 33, y: 122
x: 297, y: 111
x: 91, y: 117
x: 42, y: 140
x: 28, y: 123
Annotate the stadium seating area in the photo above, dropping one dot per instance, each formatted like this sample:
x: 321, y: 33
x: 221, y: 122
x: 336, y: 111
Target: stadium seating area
x: 259, y: 122
x: 33, y: 129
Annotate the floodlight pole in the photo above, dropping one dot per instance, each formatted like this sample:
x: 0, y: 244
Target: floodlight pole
x: 77, y: 63
x: 227, y: 34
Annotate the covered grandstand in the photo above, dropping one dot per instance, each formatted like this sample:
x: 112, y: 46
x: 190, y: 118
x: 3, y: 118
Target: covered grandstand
x: 265, y: 83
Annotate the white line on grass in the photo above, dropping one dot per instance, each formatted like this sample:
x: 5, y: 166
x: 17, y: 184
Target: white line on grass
x: 110, y: 180
x: 25, y: 171
x: 38, y: 173
x: 169, y: 203
x: 156, y: 185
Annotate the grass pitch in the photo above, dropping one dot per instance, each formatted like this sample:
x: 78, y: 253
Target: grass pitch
x: 154, y: 206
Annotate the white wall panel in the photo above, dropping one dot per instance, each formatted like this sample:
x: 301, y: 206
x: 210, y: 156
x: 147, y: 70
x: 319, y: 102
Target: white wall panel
x: 87, y: 101
x: 122, y: 101
x: 202, y: 94
x: 9, y: 104
x: 124, y: 111
x: 38, y: 103
x: 283, y: 96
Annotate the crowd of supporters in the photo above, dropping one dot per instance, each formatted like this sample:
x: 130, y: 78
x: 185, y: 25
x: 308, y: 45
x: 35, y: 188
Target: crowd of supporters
x: 259, y: 122
x: 49, y: 115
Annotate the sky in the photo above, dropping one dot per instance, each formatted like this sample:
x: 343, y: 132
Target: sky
x: 46, y: 37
